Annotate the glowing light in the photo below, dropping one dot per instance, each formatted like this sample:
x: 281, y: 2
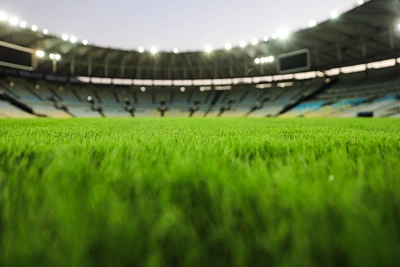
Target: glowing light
x: 265, y: 38
x: 23, y: 24
x: 283, y: 34
x: 264, y: 60
x: 141, y: 49
x: 55, y: 57
x: 73, y: 39
x: 34, y: 28
x: 208, y: 49
x: 45, y: 31
x: 154, y: 50
x: 228, y: 46
x: 175, y: 50
x: 64, y: 37
x: 182, y: 89
x: 312, y: 23
x: 254, y: 41
x: 13, y: 21
x: 143, y: 89
x: 40, y: 53
x: 360, y: 2
x: 85, y: 42
x: 3, y: 16
x: 242, y: 44
x: 274, y: 36
x: 334, y: 14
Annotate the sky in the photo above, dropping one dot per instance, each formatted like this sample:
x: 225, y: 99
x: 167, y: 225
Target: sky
x: 167, y: 24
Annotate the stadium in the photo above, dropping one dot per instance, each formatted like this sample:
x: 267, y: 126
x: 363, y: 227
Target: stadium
x: 280, y: 152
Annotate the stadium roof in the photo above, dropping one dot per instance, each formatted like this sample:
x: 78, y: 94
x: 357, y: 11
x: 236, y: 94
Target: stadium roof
x: 369, y: 32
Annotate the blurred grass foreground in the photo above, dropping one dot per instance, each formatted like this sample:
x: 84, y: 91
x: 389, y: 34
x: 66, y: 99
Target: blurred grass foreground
x: 199, y: 192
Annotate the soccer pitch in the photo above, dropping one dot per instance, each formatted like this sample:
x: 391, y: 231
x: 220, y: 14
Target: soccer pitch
x: 199, y: 192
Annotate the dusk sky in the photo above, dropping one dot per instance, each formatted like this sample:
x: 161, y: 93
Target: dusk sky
x: 167, y: 24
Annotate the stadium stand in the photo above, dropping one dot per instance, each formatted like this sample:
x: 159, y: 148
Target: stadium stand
x: 232, y: 83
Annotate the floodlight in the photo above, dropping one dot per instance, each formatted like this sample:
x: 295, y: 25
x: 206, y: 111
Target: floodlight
x: 208, y: 49
x: 242, y: 44
x: 141, y: 49
x: 40, y: 53
x: 334, y: 14
x: 154, y: 50
x: 283, y: 34
x: 85, y: 42
x: 228, y: 46
x: 254, y: 41
x: 266, y: 38
x: 55, y: 57
x: 13, y: 21
x: 3, y: 16
x: 312, y: 23
x: 64, y: 37
x: 175, y: 50
x: 23, y: 24
x: 34, y: 28
x: 45, y: 31
x: 73, y: 39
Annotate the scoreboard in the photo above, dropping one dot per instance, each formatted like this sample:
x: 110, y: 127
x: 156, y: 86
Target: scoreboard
x: 15, y: 56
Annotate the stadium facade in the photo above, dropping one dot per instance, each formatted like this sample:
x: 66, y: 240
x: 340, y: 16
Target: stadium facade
x: 342, y: 67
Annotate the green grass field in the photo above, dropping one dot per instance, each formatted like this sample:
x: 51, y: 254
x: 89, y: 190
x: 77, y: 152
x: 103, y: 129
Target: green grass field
x: 199, y: 192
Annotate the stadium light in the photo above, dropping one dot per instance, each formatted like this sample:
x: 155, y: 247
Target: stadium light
x: 73, y: 39
x: 312, y: 23
x: 85, y: 42
x: 334, y: 14
x: 13, y: 21
x: 3, y: 16
x: 23, y: 24
x: 242, y: 44
x: 175, y: 50
x: 154, y: 50
x: 55, y: 57
x: 64, y: 37
x: 228, y: 46
x: 40, y: 53
x: 254, y: 41
x: 34, y: 28
x: 208, y: 49
x: 45, y: 31
x: 283, y: 34
x: 264, y: 60
x: 141, y: 49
